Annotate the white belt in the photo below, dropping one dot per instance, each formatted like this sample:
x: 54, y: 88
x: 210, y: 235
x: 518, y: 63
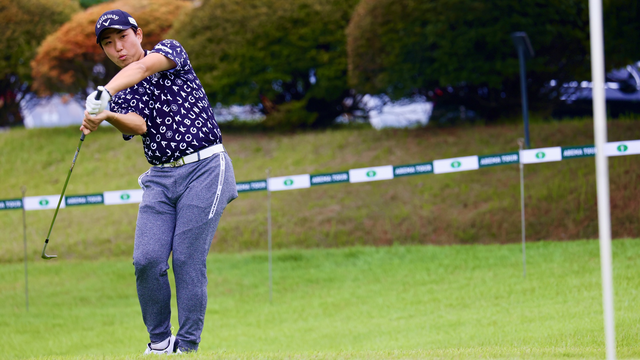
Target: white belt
x: 202, y: 154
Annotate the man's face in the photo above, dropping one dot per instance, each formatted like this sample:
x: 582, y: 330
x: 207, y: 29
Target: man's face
x: 122, y: 46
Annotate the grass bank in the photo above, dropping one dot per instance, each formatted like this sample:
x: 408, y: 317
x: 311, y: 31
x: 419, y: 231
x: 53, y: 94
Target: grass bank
x: 397, y: 302
x: 460, y: 208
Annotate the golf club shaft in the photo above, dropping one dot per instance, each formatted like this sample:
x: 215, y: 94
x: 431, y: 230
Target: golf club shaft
x: 64, y: 188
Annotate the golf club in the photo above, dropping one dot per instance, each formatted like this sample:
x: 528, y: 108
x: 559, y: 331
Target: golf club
x: 64, y: 188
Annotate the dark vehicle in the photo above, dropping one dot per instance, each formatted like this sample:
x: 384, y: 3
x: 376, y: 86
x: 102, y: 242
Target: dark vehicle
x: 622, y: 92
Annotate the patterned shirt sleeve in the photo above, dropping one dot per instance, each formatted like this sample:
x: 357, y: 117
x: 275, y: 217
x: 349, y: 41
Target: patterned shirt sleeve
x: 118, y: 105
x: 174, y: 51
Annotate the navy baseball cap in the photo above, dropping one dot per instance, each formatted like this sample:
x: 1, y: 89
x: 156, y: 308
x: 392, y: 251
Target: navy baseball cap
x: 114, y: 19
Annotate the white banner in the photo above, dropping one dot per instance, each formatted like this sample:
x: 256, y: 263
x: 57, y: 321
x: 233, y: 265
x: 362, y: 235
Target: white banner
x: 533, y: 156
x: 620, y: 148
x: 289, y: 182
x: 42, y: 202
x: 123, y: 197
x: 374, y: 173
x: 455, y: 164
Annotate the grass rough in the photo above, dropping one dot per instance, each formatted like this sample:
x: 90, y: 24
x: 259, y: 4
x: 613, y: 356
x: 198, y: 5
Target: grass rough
x: 473, y: 207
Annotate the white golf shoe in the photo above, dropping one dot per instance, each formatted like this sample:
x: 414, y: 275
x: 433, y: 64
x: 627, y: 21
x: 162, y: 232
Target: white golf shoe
x: 168, y: 346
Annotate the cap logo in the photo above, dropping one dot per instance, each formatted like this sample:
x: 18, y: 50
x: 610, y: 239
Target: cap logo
x: 102, y: 19
x: 133, y: 21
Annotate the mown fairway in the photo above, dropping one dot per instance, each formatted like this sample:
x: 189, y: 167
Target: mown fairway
x: 462, y: 301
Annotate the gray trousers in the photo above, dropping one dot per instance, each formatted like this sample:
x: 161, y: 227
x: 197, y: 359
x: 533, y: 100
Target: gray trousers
x: 179, y: 213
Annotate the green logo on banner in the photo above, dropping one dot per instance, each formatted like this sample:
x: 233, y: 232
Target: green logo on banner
x: 540, y: 155
x: 125, y: 196
x: 456, y: 164
x: 622, y: 148
x: 43, y: 202
x: 371, y: 173
x: 288, y: 182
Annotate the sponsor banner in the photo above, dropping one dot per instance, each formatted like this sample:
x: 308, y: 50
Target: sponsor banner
x: 533, y: 156
x: 530, y: 156
x: 332, y: 178
x: 84, y: 200
x: 455, y: 164
x: 289, y: 182
x: 499, y: 159
x: 621, y: 148
x: 10, y: 204
x: 42, y: 202
x: 413, y: 169
x: 123, y: 197
x: 371, y: 174
x: 255, y: 185
x: 570, y: 152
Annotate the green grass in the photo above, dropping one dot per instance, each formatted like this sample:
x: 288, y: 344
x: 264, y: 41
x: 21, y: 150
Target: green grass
x: 469, y: 207
x: 462, y: 301
x: 382, y: 295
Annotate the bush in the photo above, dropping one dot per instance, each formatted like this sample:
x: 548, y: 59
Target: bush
x: 290, y: 56
x: 460, y: 53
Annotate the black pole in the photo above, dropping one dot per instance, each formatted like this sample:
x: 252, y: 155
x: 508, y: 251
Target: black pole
x: 523, y: 91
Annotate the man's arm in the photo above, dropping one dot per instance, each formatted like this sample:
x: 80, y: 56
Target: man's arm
x: 139, y: 70
x: 131, y: 123
x: 128, y: 124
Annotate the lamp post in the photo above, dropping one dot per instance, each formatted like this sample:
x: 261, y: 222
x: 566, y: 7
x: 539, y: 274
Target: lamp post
x: 525, y: 51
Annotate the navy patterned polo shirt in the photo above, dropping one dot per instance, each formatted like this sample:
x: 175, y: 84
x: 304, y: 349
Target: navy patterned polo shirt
x: 173, y: 103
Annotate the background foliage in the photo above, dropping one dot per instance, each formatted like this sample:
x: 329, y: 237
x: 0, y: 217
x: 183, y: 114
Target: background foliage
x: 25, y: 24
x: 306, y: 62
x: 459, y: 52
x: 88, y: 3
x: 70, y: 61
x: 288, y: 55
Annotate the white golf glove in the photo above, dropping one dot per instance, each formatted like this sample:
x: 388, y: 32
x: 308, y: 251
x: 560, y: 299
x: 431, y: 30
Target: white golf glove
x: 94, y: 106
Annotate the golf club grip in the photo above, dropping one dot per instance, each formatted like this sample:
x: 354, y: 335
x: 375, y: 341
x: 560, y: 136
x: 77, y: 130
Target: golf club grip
x: 98, y: 96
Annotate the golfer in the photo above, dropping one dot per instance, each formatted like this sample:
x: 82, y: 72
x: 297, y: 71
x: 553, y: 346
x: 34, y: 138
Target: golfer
x: 158, y: 96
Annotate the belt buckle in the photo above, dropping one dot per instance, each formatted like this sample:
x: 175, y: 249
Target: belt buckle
x: 174, y: 163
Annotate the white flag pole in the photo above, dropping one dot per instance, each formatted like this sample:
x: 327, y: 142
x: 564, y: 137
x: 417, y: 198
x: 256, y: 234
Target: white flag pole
x: 602, y: 171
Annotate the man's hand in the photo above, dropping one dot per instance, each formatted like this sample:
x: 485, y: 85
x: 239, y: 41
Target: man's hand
x: 91, y: 122
x: 93, y: 106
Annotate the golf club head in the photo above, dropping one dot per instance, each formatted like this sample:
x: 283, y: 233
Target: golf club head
x: 44, y: 255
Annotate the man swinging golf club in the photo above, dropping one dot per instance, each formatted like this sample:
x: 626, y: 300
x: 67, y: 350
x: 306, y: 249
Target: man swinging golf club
x: 158, y: 96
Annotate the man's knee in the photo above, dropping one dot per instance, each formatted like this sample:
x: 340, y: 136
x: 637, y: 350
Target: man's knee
x: 149, y: 265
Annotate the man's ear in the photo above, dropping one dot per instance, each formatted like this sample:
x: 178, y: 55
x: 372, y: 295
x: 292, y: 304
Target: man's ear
x: 139, y: 34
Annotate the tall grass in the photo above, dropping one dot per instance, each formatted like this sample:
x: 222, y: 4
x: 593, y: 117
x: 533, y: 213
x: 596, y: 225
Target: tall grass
x: 461, y: 208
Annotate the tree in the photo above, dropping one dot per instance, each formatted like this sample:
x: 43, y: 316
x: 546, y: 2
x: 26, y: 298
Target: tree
x: 288, y: 55
x: 70, y: 61
x: 24, y: 25
x: 621, y: 28
x: 89, y: 3
x: 459, y: 52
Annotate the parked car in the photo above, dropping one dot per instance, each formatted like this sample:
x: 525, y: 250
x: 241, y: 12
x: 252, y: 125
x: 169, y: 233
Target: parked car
x: 622, y: 92
x: 406, y: 113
